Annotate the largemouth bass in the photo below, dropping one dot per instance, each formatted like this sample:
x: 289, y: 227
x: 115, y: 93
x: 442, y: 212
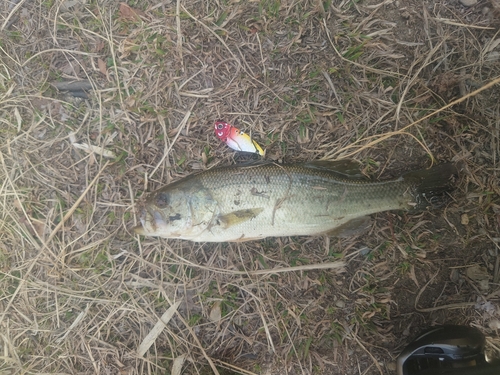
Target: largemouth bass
x: 241, y: 203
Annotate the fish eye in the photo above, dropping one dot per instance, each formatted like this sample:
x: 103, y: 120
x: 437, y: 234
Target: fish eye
x: 162, y: 200
x: 220, y: 126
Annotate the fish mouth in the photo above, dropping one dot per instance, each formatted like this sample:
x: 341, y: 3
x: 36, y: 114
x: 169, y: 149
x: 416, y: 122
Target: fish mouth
x: 152, y: 222
x: 144, y: 218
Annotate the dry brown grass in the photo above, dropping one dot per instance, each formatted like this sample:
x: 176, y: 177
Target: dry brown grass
x: 395, y: 85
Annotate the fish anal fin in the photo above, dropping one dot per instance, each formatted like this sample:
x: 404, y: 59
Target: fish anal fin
x: 238, y: 217
x: 353, y: 227
x: 246, y: 239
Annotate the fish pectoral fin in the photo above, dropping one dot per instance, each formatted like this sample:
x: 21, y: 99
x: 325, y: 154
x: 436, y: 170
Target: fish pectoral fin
x: 238, y: 217
x: 352, y: 228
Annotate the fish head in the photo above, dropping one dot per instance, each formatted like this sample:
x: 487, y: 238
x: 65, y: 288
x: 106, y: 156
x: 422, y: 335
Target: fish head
x: 222, y: 129
x: 177, y: 212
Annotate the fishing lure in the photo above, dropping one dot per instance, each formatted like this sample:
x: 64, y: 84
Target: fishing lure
x: 236, y: 139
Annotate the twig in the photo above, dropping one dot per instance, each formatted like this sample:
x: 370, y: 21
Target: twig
x: 179, y: 32
x: 355, y: 336
x: 180, y: 127
x: 449, y: 306
x: 12, y: 12
x: 383, y: 137
x: 45, y: 244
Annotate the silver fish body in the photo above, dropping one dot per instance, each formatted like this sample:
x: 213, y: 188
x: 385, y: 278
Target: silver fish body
x: 240, y: 203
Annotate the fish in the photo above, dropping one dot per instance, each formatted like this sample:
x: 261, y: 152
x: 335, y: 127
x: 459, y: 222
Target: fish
x: 236, y: 139
x: 250, y: 202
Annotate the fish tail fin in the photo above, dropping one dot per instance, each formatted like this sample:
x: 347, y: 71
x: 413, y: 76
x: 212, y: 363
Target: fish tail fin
x: 430, y: 187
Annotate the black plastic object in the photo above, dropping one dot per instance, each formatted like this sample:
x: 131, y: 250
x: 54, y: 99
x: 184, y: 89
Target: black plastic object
x: 456, y: 350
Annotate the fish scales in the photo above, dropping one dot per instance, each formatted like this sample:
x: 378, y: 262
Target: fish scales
x: 242, y: 203
x: 296, y: 200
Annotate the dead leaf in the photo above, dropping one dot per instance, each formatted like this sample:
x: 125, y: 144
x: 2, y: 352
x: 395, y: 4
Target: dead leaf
x: 39, y: 227
x: 157, y: 329
x: 18, y: 205
x: 79, y: 225
x: 40, y: 103
x: 95, y: 149
x: 454, y: 275
x: 413, y: 276
x: 25, y: 14
x: 71, y: 69
x: 494, y: 324
x: 102, y: 66
x: 99, y: 46
x: 477, y: 273
x: 18, y: 118
x: 480, y: 275
x: 215, y: 312
x: 492, y: 45
x: 68, y: 4
x: 35, y: 226
x: 131, y: 14
x: 464, y: 219
x: 177, y: 365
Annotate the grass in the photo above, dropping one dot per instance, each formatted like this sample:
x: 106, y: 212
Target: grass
x: 309, y: 80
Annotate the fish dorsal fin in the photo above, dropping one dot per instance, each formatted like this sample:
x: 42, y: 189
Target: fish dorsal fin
x: 238, y: 217
x: 347, y: 167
